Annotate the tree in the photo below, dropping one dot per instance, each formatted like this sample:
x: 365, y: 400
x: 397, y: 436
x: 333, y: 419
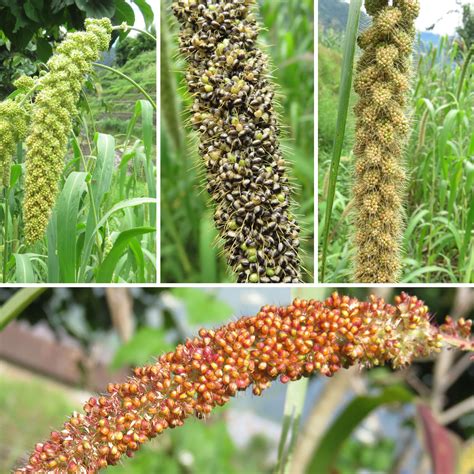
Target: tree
x: 466, y: 31
x: 30, y: 27
x: 130, y: 47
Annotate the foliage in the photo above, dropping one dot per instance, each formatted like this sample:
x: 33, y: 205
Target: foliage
x: 466, y: 31
x: 190, y: 249
x: 30, y: 28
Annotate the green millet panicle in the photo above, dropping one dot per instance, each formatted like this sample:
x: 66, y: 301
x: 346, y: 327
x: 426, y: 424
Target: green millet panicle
x: 13, y: 128
x: 52, y: 118
x: 382, y: 82
x: 234, y: 115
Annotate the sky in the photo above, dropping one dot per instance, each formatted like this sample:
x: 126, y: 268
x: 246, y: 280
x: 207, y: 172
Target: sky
x: 446, y: 15
x: 439, y: 12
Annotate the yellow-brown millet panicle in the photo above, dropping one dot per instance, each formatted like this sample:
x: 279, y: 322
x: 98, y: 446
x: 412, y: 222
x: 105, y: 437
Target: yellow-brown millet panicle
x: 233, y: 112
x: 52, y: 117
x: 382, y: 82
x: 288, y: 342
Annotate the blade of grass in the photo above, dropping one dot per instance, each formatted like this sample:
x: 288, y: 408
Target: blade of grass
x: 67, y: 210
x: 356, y: 411
x: 53, y: 261
x: 17, y: 303
x: 106, y: 271
x: 99, y: 185
x: 344, y: 96
x: 24, y: 271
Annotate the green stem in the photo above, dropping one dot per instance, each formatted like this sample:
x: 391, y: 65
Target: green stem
x: 344, y: 97
x: 5, y: 240
x: 464, y: 72
x: 128, y: 28
x: 17, y: 303
x: 129, y: 79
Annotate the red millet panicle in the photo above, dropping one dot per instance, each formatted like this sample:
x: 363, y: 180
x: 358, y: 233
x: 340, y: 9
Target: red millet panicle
x: 287, y: 342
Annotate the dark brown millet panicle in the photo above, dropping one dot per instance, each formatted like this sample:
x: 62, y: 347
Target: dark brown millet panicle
x: 239, y: 139
x: 289, y: 342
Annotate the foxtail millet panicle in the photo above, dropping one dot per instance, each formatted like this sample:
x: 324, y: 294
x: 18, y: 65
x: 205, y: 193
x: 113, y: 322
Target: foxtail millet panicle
x: 382, y: 82
x: 53, y: 113
x: 288, y: 342
x: 13, y: 128
x: 234, y: 115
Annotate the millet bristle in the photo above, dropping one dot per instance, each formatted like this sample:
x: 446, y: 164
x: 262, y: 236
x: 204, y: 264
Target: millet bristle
x: 382, y: 82
x: 234, y: 114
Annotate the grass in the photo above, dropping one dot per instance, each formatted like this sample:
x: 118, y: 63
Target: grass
x: 190, y: 251
x: 438, y: 244
x: 103, y: 226
x: 29, y: 409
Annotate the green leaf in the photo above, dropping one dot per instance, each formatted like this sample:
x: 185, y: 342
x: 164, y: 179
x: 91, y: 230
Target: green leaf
x: 15, y: 173
x: 97, y: 8
x: 106, y: 270
x: 202, y: 306
x: 24, y: 271
x: 67, y: 209
x: 101, y: 181
x: 43, y: 49
x: 344, y: 97
x: 146, y: 10
x: 145, y: 344
x: 57, y: 5
x: 354, y: 413
x: 124, y: 13
x: 17, y: 303
x: 52, y: 238
x: 33, y: 9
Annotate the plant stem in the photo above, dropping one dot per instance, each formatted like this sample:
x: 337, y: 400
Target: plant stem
x: 465, y: 66
x: 128, y: 28
x: 5, y: 235
x: 129, y: 79
x: 344, y: 97
x: 17, y: 303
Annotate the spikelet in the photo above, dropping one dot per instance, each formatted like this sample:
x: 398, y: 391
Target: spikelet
x: 239, y: 139
x: 382, y: 82
x: 52, y: 120
x: 288, y: 342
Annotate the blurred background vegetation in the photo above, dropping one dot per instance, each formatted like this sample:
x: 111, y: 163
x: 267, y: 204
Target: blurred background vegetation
x: 189, y: 252
x: 357, y: 421
x: 438, y: 239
